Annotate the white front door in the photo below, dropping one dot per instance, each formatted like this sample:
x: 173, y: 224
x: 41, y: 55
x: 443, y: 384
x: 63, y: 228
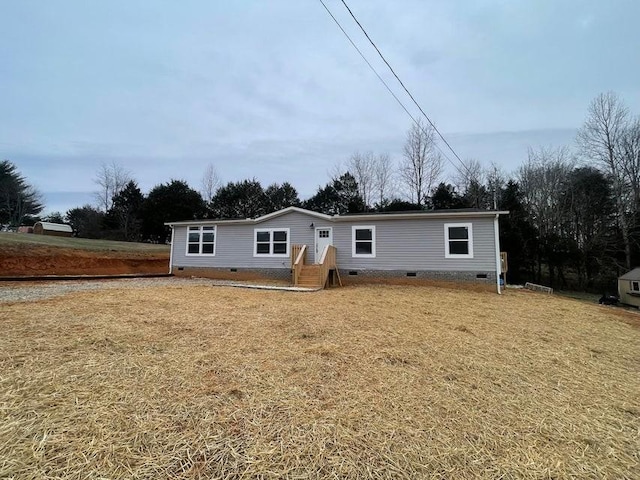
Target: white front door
x: 324, y: 237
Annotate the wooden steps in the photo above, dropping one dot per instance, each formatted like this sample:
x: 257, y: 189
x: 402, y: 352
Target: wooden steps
x: 314, y: 276
x: 310, y: 277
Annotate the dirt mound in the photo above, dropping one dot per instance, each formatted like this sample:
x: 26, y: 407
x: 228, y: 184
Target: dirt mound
x: 43, y: 260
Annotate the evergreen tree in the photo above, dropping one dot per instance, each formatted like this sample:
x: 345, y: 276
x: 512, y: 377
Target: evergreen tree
x: 397, y: 205
x: 245, y: 199
x: 518, y: 237
x: 281, y: 196
x: 54, y: 217
x: 124, y: 216
x: 87, y: 221
x: 173, y: 201
x: 338, y: 197
x: 18, y: 199
x: 444, y: 196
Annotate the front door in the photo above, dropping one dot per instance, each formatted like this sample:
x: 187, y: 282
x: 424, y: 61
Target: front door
x: 324, y: 237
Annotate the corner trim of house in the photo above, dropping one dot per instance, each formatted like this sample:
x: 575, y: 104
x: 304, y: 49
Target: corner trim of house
x: 496, y: 233
x: 171, y: 251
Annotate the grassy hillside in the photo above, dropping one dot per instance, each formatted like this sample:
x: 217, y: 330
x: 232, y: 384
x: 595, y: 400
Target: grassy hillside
x: 25, y: 241
x: 23, y: 254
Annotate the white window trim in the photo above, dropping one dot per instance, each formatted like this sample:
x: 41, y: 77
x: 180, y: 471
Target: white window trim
x: 200, y: 232
x: 373, y: 241
x: 271, y: 230
x: 447, y: 254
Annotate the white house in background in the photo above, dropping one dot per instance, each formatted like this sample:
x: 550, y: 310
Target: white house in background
x: 629, y: 287
x: 446, y: 244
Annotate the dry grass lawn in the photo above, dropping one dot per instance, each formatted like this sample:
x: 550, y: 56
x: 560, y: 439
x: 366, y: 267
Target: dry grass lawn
x: 360, y: 382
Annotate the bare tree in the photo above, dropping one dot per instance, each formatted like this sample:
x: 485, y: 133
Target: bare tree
x: 472, y: 171
x: 362, y: 167
x: 630, y: 150
x: 601, y: 141
x: 210, y: 182
x: 383, y: 177
x: 496, y: 180
x: 111, y: 180
x: 422, y: 165
x: 542, y: 181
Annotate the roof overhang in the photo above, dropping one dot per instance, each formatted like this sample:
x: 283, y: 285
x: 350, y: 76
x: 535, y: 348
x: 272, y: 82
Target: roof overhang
x: 631, y: 275
x: 363, y: 217
x: 210, y: 222
x: 421, y: 215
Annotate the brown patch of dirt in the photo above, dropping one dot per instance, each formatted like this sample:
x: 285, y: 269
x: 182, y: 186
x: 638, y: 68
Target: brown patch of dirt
x: 630, y: 315
x: 43, y: 260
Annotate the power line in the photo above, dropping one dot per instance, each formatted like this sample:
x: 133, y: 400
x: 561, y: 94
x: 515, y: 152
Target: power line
x: 401, y: 83
x: 367, y: 62
x: 416, y: 122
x: 403, y: 86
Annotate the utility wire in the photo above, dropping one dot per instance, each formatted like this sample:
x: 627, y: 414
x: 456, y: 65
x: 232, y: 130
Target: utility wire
x: 401, y: 83
x: 368, y: 63
x: 415, y: 121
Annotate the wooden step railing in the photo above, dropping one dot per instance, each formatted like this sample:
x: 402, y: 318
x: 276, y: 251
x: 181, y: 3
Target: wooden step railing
x: 298, y: 259
x: 328, y: 264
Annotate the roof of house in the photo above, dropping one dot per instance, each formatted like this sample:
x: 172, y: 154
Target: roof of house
x: 55, y: 227
x: 353, y: 217
x: 631, y: 275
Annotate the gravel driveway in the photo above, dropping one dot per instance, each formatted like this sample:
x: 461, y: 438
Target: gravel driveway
x: 32, y: 291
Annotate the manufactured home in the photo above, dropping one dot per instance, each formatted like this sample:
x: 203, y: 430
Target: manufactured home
x: 309, y: 248
x: 629, y: 288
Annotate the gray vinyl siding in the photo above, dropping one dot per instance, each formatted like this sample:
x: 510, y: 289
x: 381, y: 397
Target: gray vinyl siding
x: 235, y: 243
x: 417, y: 245
x: 407, y: 244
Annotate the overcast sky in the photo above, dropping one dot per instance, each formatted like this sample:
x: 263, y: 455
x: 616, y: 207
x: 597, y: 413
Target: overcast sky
x: 272, y: 89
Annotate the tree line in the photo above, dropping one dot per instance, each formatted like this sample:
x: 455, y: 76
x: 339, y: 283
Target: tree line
x: 574, y: 217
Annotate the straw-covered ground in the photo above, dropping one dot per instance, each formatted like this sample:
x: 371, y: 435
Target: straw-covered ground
x: 180, y: 380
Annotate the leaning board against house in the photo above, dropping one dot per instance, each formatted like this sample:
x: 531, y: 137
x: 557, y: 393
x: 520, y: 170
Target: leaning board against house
x: 447, y: 244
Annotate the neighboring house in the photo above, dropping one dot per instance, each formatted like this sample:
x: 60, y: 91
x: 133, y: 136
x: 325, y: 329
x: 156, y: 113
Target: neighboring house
x: 49, y: 228
x: 446, y: 244
x: 629, y: 287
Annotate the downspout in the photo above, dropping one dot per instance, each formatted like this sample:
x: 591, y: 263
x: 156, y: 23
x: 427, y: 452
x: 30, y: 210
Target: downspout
x: 496, y: 233
x: 171, y: 252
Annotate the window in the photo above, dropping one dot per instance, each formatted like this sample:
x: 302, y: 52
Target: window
x: 201, y: 240
x: 363, y: 241
x: 635, y: 286
x: 458, y: 240
x: 271, y: 242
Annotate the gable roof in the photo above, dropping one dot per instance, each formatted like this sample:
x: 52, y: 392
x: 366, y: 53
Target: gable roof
x: 284, y: 211
x: 631, y: 275
x: 353, y: 217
